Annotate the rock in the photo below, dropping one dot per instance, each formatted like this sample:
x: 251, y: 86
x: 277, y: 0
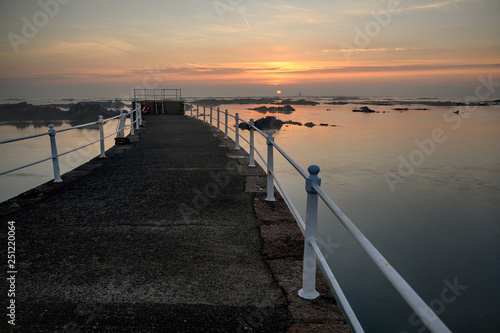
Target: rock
x: 309, y: 124
x: 364, y: 109
x: 298, y: 102
x: 77, y: 113
x: 287, y: 109
x: 291, y: 122
x: 266, y: 123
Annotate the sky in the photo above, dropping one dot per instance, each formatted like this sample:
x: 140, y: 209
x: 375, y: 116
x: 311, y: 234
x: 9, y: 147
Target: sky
x: 106, y: 48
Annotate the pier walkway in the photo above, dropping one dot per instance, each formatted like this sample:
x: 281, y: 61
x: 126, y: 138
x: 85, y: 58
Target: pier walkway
x: 168, y: 234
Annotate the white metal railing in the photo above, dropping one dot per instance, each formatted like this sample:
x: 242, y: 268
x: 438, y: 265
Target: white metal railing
x: 135, y: 120
x: 312, y: 252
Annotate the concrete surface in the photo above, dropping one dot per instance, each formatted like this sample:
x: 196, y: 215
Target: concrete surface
x: 168, y: 234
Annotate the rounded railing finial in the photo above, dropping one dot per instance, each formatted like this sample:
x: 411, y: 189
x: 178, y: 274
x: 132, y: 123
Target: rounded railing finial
x: 313, y: 170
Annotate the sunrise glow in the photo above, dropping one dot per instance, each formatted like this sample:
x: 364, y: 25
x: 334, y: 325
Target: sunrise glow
x: 97, y: 47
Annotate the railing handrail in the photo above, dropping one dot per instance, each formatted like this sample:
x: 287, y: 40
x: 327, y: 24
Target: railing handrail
x: 59, y: 130
x: 52, y: 132
x: 23, y: 138
x: 430, y: 319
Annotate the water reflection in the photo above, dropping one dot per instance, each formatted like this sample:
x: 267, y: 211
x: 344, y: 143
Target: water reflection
x: 40, y: 124
x: 16, y: 154
x: 446, y: 208
x: 32, y: 123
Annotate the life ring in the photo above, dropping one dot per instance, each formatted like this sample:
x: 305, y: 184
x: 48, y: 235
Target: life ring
x: 144, y: 107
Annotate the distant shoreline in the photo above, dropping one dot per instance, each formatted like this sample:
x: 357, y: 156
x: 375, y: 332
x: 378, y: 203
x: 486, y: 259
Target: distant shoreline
x: 339, y: 101
x: 77, y: 112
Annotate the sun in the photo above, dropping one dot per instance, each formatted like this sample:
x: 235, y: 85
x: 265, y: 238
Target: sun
x: 279, y: 92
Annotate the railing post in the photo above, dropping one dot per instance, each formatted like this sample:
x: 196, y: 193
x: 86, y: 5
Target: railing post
x: 55, y: 156
x: 252, y: 148
x: 121, y: 126
x: 225, y: 136
x: 101, y: 135
x: 308, y: 290
x: 197, y: 112
x: 191, y: 109
x: 270, y: 167
x: 137, y: 117
x: 204, y: 115
x: 132, y: 125
x: 211, y: 110
x: 139, y: 113
x: 218, y: 119
x: 237, y: 132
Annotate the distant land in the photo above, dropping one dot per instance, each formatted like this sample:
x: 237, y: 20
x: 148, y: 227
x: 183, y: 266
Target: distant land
x: 77, y: 113
x: 338, y: 101
x: 419, y: 102
x: 262, y: 100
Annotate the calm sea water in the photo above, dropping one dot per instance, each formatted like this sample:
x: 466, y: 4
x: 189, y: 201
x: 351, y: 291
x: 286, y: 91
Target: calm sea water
x: 422, y: 185
x: 432, y: 208
x: 24, y: 152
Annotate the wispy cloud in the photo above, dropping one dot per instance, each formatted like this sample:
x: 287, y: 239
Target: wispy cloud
x: 404, y: 6
x: 199, y: 70
x: 434, y: 5
x: 380, y: 49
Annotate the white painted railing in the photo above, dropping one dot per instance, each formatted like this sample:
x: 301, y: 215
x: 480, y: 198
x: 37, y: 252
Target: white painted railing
x: 312, y: 252
x: 135, y: 120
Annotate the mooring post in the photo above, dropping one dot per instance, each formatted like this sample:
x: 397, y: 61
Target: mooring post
x: 225, y: 136
x: 237, y: 132
x: 218, y: 119
x: 252, y: 148
x: 101, y: 136
x: 308, y: 290
x: 270, y: 167
x: 55, y: 156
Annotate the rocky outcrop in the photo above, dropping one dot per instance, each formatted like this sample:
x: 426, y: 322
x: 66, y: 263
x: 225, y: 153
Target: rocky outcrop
x: 364, y: 109
x: 267, y: 123
x: 273, y: 123
x: 287, y: 109
x: 79, y: 112
x: 297, y: 102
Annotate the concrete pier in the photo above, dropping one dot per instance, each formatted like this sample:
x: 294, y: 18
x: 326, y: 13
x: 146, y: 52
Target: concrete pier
x: 168, y: 234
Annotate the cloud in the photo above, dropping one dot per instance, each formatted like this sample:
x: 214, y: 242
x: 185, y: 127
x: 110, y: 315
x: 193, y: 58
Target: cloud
x: 380, y: 49
x: 252, y: 72
x: 434, y: 5
x: 407, y: 6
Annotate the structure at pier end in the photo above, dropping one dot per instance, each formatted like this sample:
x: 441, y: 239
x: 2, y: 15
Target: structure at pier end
x: 159, y: 101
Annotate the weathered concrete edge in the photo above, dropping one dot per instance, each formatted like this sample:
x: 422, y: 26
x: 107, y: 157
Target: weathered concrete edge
x: 283, y: 246
x: 37, y: 193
